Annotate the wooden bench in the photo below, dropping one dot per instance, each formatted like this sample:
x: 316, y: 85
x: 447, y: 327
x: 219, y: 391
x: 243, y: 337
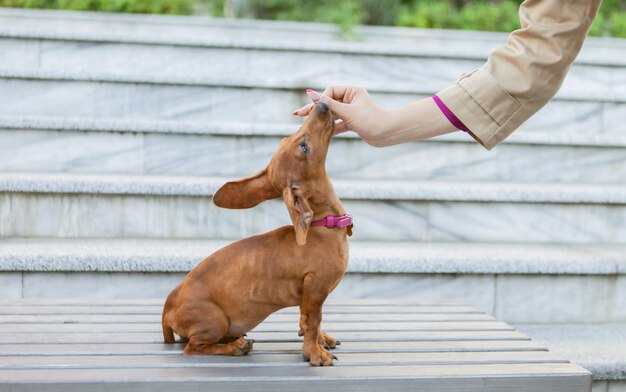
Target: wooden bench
x: 98, y: 345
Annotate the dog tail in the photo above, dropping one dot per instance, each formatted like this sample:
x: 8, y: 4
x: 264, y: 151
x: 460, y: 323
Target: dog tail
x: 168, y: 332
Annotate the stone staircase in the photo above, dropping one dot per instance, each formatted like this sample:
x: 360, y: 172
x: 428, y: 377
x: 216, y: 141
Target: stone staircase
x: 115, y: 130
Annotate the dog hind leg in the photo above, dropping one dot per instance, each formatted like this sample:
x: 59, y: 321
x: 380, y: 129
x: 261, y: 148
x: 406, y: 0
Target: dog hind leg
x: 200, y: 345
x: 208, y: 334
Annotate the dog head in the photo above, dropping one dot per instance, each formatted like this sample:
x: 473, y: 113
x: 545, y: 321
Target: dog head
x: 297, y: 172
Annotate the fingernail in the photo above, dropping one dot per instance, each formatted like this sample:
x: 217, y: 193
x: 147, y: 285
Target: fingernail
x: 314, y: 95
x: 295, y: 112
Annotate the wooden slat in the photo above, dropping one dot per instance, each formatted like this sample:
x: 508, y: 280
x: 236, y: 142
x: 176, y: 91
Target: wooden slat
x: 156, y: 318
x: 265, y: 327
x: 125, y: 309
x: 43, y: 302
x: 105, y: 345
x: 264, y: 358
x: 159, y: 302
x: 229, y: 374
x: 46, y: 349
x: 38, y: 338
x: 553, y: 382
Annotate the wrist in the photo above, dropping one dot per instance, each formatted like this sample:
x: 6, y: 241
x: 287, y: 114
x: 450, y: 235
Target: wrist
x: 416, y: 121
x: 382, y: 126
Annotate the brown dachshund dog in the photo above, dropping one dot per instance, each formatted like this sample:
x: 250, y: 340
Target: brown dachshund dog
x: 237, y: 287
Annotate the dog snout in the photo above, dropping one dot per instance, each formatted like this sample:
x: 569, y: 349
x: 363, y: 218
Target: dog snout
x: 322, y: 107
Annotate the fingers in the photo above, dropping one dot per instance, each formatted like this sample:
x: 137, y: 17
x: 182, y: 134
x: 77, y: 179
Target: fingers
x: 304, y: 111
x: 340, y: 127
x: 333, y: 96
x: 351, y: 106
x: 314, y: 95
x: 342, y: 93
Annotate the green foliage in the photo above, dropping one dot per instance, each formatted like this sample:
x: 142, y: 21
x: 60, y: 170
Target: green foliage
x: 478, y: 15
x: 611, y: 19
x: 183, y: 7
x: 345, y: 13
x: 599, y: 25
x: 426, y: 14
x: 25, y: 3
x: 617, y: 24
x: 486, y: 15
x: 376, y: 12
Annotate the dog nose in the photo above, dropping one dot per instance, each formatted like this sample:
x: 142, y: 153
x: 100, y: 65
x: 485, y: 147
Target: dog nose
x: 322, y: 106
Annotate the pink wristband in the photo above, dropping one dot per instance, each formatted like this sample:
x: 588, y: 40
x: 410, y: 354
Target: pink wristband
x: 449, y: 115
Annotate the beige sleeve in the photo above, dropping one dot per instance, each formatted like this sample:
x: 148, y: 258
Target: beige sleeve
x: 520, y: 77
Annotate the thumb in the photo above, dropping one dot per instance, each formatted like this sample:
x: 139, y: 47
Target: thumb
x: 339, y: 109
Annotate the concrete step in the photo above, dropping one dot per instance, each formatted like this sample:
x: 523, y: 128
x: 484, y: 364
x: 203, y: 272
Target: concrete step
x: 94, y: 94
x: 599, y: 348
x: 114, y: 146
x: 74, y: 205
x: 289, y: 64
x: 515, y: 282
x: 388, y: 59
x: 202, y: 31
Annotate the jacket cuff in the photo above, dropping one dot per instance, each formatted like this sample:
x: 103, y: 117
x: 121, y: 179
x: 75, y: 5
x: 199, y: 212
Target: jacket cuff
x: 481, y: 104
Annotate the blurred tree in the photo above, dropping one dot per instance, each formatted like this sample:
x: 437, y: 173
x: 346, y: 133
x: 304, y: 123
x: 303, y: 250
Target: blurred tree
x: 427, y: 14
x: 134, y: 6
x: 490, y: 15
x: 376, y: 12
x: 617, y: 24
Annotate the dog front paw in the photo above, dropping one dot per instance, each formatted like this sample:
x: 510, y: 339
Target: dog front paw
x: 319, y: 356
x: 328, y: 341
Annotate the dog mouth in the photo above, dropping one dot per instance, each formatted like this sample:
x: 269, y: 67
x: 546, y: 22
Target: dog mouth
x: 324, y: 114
x: 319, y: 127
x: 321, y: 106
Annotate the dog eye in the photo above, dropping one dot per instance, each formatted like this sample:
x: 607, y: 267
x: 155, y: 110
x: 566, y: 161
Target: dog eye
x: 304, y: 147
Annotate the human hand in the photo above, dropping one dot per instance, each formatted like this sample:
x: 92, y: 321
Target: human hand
x: 355, y: 110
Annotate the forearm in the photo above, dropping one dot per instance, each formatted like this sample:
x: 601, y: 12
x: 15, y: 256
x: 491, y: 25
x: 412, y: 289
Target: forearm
x: 419, y: 120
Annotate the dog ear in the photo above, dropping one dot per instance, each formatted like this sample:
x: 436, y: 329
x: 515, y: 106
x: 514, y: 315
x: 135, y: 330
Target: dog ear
x: 299, y: 210
x: 245, y: 193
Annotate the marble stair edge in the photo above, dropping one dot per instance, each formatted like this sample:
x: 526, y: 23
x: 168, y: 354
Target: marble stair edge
x: 599, y: 348
x: 511, y: 282
x: 349, y: 189
x: 54, y: 22
x: 76, y: 205
x: 233, y: 151
x: 273, y: 129
x: 169, y: 255
x: 598, y: 86
x: 139, y: 101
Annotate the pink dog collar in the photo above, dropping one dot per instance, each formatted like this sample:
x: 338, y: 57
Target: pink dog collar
x: 332, y: 221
